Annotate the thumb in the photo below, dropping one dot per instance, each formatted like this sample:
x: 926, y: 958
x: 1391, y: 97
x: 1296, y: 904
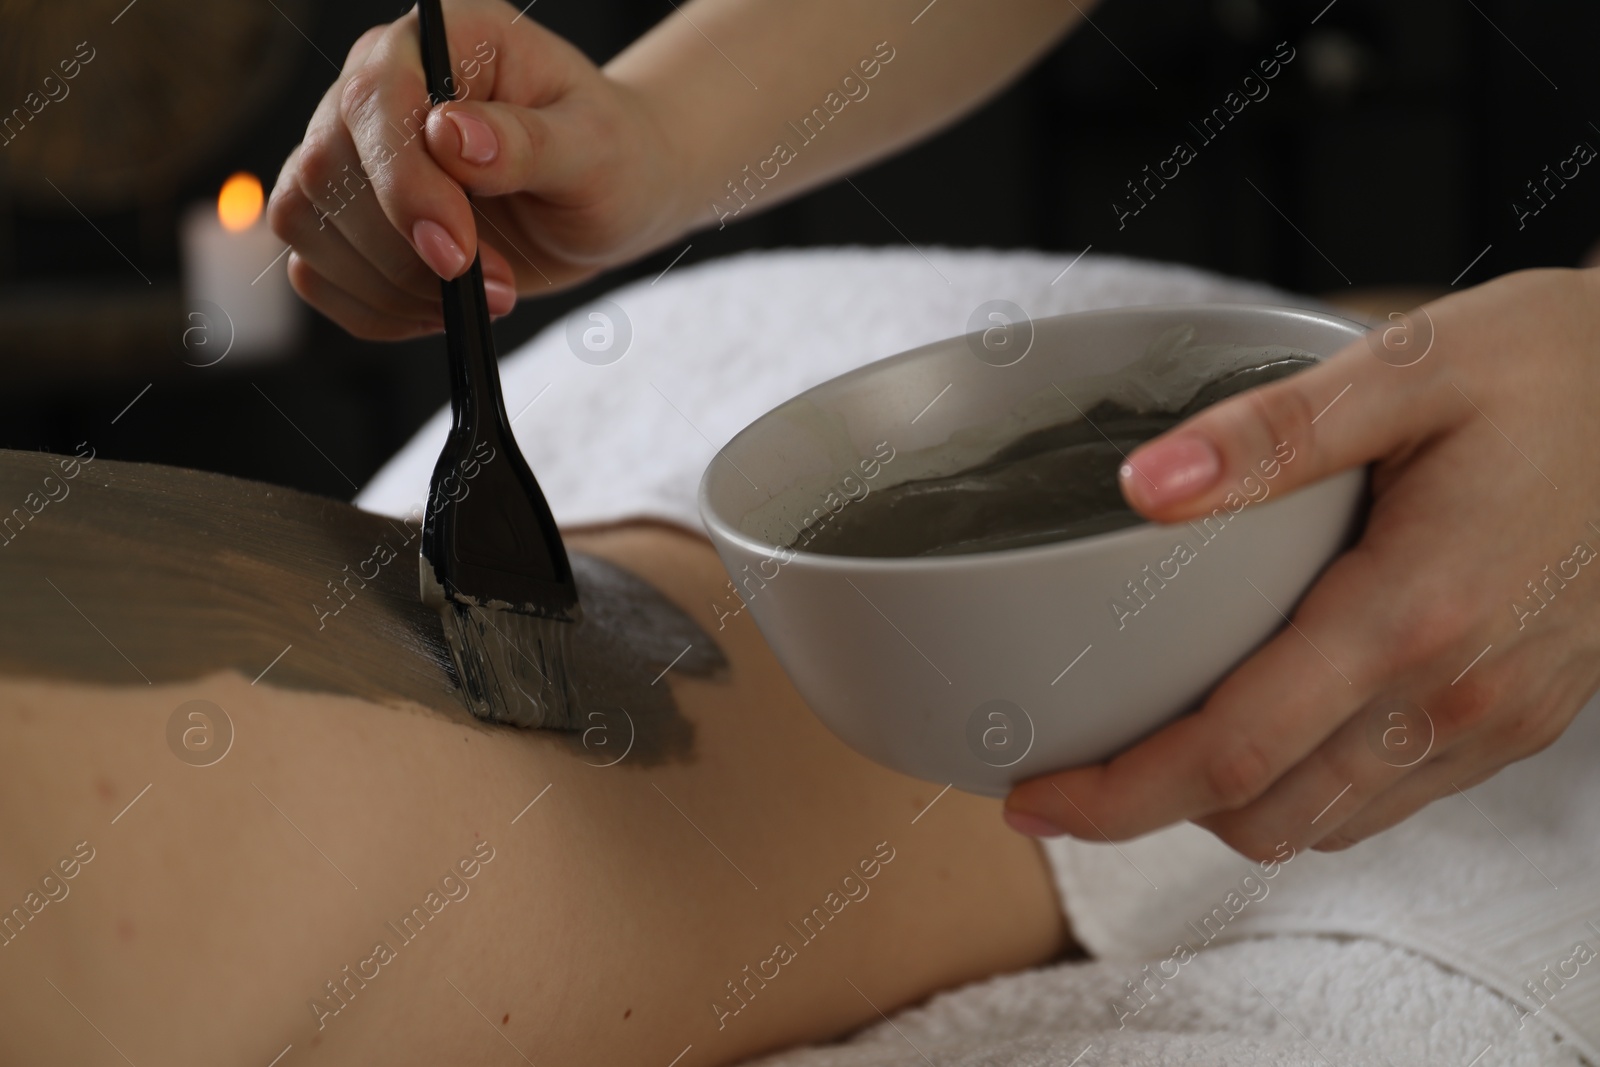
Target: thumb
x: 495, y: 149
x: 1357, y: 406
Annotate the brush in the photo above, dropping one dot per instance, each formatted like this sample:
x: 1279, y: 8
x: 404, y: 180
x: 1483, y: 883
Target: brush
x: 492, y: 561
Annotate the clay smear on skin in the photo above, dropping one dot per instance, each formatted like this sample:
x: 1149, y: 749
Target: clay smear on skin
x: 140, y: 574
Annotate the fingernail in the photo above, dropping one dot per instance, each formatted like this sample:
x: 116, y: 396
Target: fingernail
x: 502, y: 297
x: 1170, y: 471
x: 438, y: 249
x: 1030, y: 825
x: 478, y: 143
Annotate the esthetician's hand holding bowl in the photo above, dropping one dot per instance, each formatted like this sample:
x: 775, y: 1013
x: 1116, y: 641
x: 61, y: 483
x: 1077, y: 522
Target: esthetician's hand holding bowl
x: 1460, y: 634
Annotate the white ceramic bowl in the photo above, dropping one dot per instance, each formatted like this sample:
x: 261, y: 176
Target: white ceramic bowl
x: 984, y: 669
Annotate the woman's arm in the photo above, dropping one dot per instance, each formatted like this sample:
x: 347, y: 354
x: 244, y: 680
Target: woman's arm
x: 574, y: 169
x: 838, y: 83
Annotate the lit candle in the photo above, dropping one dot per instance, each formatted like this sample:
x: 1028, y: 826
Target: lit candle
x: 237, y: 299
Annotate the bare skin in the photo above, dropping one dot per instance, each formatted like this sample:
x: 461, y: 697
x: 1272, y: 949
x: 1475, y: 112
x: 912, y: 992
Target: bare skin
x: 598, y: 926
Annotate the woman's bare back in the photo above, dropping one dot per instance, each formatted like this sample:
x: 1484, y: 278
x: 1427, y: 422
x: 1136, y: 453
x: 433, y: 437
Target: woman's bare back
x: 236, y: 825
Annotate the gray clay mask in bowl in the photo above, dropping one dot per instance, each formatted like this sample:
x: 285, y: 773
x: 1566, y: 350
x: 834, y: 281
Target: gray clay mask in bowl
x: 959, y: 591
x: 1051, y: 484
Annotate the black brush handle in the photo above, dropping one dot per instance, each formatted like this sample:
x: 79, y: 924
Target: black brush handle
x: 474, y: 379
x: 503, y: 536
x: 436, y: 69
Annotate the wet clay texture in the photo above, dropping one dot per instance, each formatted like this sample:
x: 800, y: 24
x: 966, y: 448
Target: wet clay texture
x: 132, y: 574
x: 1052, y: 484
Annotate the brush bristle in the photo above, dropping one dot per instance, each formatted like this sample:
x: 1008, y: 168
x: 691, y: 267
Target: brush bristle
x: 513, y: 667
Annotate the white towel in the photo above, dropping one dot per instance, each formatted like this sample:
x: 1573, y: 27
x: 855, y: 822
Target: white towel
x: 1500, y: 883
x: 1411, y: 948
x: 1295, y: 1001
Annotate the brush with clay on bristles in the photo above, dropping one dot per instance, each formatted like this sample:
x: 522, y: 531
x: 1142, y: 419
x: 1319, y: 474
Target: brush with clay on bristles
x: 492, y: 560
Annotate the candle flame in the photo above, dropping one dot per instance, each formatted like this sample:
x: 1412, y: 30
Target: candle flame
x: 239, y: 204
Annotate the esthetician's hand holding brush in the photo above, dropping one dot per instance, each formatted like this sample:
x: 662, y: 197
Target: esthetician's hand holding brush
x: 559, y: 159
x: 1460, y: 634
x: 573, y: 169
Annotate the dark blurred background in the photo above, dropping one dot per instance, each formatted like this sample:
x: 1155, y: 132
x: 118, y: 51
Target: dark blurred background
x: 1389, y: 153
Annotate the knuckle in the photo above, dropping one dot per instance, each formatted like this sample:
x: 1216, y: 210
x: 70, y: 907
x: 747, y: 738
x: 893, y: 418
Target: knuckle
x: 360, y: 95
x: 305, y: 282
x: 411, y: 126
x: 1468, y: 705
x: 1238, y: 775
x: 289, y: 213
x: 318, y: 164
x: 1285, y: 415
x: 535, y: 136
x: 1426, y: 626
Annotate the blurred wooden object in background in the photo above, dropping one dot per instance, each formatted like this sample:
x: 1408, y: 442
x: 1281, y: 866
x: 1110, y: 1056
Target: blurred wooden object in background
x: 110, y: 111
x: 129, y: 107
